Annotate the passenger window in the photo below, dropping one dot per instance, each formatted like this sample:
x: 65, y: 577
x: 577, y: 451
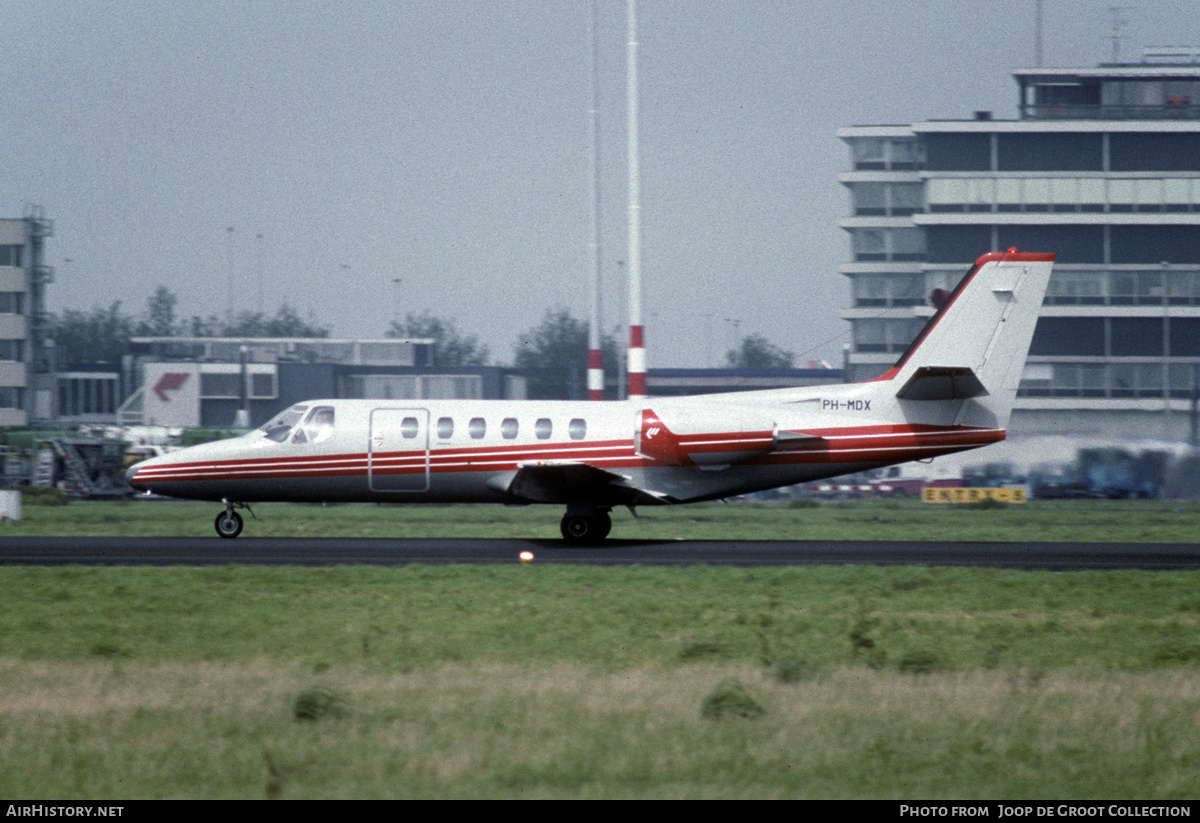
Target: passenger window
x: 542, y: 428
x: 409, y: 427
x: 445, y: 427
x: 577, y: 428
x: 477, y: 428
x: 508, y: 428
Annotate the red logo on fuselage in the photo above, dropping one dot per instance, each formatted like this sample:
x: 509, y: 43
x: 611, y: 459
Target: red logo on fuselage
x: 658, y: 442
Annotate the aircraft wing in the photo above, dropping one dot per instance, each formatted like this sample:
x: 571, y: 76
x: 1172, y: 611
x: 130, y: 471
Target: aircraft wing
x: 565, y: 481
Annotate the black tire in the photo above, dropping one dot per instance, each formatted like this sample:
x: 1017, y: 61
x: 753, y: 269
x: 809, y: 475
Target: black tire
x: 581, y: 528
x: 603, y: 526
x: 228, y: 524
x: 575, y: 528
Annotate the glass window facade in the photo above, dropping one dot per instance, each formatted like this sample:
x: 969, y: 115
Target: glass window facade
x: 1086, y: 195
x: 1055, y: 151
x: 958, y: 152
x: 12, y: 302
x: 887, y: 154
x: 1118, y: 204
x: 11, y: 254
x: 1154, y: 151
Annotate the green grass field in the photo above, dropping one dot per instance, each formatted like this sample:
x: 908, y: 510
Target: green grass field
x: 1085, y: 520
x: 549, y: 681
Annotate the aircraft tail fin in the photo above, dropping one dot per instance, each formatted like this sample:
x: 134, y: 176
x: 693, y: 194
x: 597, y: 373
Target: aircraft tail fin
x: 975, y: 346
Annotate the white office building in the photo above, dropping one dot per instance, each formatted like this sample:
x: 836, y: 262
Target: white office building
x: 1102, y: 167
x: 26, y: 385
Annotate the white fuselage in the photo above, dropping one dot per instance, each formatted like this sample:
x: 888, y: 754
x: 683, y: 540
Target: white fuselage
x: 470, y: 451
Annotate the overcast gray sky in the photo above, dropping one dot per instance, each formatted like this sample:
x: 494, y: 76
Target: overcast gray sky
x: 444, y: 143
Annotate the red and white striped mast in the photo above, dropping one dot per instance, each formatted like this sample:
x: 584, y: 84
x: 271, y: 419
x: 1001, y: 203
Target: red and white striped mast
x: 637, y: 341
x: 595, y: 364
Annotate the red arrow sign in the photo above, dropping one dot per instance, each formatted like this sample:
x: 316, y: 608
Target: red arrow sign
x: 170, y: 381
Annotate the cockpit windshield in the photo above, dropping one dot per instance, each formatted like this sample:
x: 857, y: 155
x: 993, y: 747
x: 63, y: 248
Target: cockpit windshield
x: 317, y: 427
x: 279, y: 426
x: 286, y: 427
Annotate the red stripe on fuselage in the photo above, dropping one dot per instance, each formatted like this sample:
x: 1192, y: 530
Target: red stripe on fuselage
x: 496, y: 458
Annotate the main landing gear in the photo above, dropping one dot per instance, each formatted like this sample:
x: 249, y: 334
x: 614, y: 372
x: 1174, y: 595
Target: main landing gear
x: 586, y: 527
x: 229, y: 522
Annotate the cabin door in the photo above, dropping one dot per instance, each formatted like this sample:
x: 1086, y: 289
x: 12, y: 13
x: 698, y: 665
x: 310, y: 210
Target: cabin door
x: 398, y: 450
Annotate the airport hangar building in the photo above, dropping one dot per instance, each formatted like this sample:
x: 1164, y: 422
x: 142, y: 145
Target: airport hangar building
x: 1102, y: 167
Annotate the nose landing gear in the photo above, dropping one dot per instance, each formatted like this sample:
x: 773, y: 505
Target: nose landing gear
x: 229, y: 522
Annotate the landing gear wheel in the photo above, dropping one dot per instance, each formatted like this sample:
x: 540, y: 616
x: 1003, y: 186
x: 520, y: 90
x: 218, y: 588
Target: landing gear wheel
x: 603, y: 525
x: 586, y: 528
x: 229, y: 524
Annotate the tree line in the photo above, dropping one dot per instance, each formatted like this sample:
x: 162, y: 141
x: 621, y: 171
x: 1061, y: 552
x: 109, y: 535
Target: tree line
x: 102, y: 335
x: 552, y: 355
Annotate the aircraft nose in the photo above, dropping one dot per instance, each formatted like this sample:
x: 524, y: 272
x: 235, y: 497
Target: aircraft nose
x: 131, y: 471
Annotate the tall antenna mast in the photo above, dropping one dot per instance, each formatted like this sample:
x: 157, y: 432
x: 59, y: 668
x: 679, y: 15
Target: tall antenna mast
x: 595, y: 365
x: 637, y: 342
x: 229, y: 285
x: 1037, y: 34
x: 1117, y: 23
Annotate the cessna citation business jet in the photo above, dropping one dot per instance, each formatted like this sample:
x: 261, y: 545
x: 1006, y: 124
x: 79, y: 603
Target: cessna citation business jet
x: 952, y: 390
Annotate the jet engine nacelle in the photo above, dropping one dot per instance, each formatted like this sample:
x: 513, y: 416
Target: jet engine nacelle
x: 711, y: 438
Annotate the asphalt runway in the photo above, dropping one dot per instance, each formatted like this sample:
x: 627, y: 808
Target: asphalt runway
x: 266, y: 551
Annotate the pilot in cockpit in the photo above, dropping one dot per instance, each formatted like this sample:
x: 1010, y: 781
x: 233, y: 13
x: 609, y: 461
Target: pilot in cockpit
x: 317, y: 427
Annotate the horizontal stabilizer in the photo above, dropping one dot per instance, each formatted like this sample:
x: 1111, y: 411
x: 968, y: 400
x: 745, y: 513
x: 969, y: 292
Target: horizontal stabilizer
x: 942, y: 383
